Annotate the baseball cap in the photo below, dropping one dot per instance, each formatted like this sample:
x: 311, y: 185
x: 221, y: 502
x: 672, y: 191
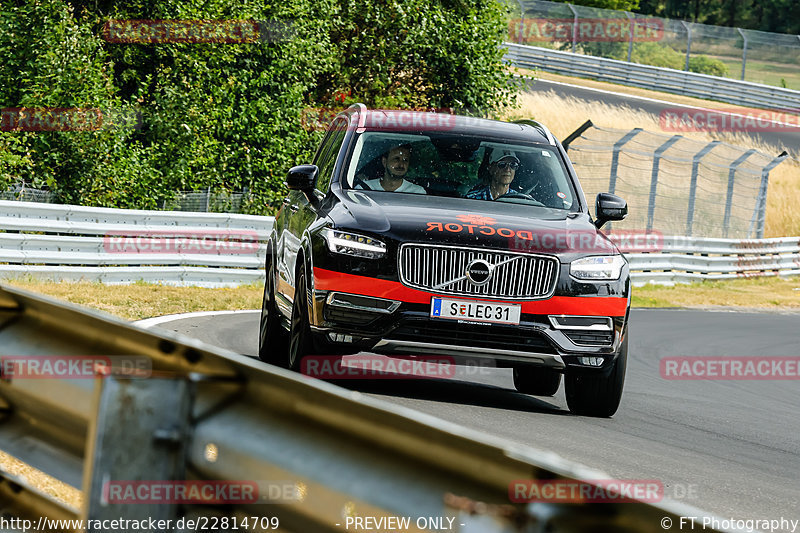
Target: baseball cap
x: 497, y: 155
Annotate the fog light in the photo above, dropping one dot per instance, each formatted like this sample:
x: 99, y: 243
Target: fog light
x: 591, y: 361
x: 587, y: 323
x: 339, y: 337
x: 362, y: 303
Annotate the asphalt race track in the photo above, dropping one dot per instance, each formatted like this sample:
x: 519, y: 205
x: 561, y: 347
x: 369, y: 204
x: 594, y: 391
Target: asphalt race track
x: 785, y: 138
x: 728, y: 447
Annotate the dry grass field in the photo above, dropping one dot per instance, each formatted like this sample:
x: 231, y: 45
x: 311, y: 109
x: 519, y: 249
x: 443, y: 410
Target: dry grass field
x: 564, y: 115
x: 145, y: 300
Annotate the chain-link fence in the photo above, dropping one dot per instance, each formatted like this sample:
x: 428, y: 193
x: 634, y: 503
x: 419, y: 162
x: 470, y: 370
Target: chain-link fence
x: 206, y: 201
x: 203, y: 201
x: 756, y: 56
x: 22, y: 193
x: 675, y: 185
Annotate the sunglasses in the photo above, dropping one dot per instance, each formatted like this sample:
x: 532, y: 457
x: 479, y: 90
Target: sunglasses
x: 513, y: 165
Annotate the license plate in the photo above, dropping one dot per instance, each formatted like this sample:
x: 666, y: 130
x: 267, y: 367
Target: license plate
x: 475, y: 311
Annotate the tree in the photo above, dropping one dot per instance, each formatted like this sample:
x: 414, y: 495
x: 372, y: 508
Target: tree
x: 228, y: 116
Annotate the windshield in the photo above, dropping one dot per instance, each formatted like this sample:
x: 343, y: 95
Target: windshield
x: 460, y: 166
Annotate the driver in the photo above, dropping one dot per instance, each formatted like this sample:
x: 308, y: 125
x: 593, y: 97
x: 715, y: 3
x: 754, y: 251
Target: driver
x: 395, y: 166
x: 502, y: 168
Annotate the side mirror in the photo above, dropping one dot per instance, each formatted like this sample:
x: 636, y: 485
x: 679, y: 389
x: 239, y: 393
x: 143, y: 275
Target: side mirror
x: 302, y: 178
x: 609, y: 207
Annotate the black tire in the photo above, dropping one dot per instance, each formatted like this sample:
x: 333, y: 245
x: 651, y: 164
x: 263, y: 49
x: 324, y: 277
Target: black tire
x: 536, y: 381
x: 273, y: 340
x: 598, y: 394
x: 301, y: 343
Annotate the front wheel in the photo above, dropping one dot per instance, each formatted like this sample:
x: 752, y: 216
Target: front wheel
x: 597, y: 394
x: 300, y: 341
x: 273, y: 340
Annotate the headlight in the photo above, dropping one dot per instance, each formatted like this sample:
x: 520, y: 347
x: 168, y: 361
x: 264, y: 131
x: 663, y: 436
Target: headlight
x: 353, y: 244
x: 605, y: 267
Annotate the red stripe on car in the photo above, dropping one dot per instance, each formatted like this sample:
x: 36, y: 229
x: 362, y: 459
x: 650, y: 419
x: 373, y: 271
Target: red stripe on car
x: 329, y: 280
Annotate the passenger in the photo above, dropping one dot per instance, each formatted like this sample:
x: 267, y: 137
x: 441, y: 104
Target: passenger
x: 502, y: 168
x: 395, y: 162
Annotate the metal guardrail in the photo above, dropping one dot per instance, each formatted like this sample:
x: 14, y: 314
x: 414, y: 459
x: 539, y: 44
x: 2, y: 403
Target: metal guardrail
x: 65, y: 242
x: 205, y: 414
x: 691, y: 259
x: 655, y: 78
x: 82, y: 255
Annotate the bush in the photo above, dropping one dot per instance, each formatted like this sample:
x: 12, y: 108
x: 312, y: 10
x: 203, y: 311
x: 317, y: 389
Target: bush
x: 658, y: 55
x: 708, y: 65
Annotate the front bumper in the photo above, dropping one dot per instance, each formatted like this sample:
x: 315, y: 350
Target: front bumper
x: 399, y: 323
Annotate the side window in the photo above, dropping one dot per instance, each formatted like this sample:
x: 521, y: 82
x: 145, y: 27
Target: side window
x: 329, y: 151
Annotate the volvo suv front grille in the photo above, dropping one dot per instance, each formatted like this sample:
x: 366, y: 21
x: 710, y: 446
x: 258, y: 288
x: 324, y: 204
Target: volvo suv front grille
x: 444, y: 269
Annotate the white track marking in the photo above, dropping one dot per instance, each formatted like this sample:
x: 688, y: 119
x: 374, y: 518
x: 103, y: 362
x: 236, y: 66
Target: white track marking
x: 149, y: 322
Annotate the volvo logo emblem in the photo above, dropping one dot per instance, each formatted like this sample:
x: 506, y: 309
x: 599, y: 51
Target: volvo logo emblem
x: 479, y: 272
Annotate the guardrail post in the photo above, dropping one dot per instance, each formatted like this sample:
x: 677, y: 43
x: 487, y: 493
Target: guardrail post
x: 574, y: 26
x: 630, y: 36
x: 759, y: 214
x: 688, y: 43
x: 729, y: 198
x: 744, y: 51
x: 651, y: 207
x: 139, y: 435
x: 693, y: 185
x: 612, y: 180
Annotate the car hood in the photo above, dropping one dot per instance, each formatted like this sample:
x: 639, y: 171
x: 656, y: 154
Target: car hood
x: 463, y: 222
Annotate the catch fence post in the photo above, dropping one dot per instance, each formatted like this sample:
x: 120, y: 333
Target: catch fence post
x: 761, y: 204
x: 651, y: 206
x: 574, y: 26
x: 693, y: 185
x: 729, y: 197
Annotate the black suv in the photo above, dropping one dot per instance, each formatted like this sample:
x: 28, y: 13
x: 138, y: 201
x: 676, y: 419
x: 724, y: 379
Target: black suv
x: 435, y: 234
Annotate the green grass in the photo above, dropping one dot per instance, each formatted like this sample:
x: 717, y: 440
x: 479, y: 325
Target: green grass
x: 769, y: 294
x: 764, y: 72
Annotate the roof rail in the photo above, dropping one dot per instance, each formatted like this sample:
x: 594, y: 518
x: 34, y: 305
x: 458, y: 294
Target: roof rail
x: 541, y: 127
x: 361, y: 109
